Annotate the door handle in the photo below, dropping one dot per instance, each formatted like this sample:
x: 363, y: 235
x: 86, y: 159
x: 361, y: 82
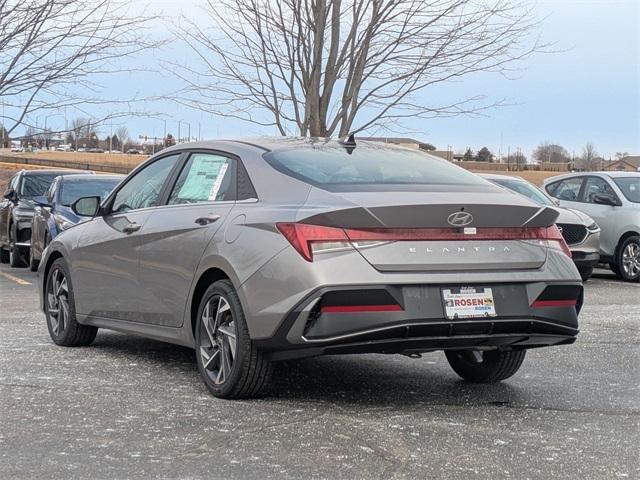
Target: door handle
x: 207, y: 219
x: 131, y: 227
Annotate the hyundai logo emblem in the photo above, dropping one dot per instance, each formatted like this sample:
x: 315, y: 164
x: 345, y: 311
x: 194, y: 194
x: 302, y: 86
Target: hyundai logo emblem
x: 460, y: 219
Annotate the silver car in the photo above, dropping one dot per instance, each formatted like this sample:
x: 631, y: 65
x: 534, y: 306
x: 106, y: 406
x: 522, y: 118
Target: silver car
x: 579, y: 230
x: 256, y: 251
x: 613, y: 200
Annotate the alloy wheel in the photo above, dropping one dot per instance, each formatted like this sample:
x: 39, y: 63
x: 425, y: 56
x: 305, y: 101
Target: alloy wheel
x: 631, y: 259
x: 218, y: 339
x: 58, y: 302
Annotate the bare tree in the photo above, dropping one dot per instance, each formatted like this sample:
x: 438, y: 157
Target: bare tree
x: 123, y: 136
x: 621, y: 155
x: 51, y: 48
x: 589, y: 160
x: 338, y: 66
x: 516, y: 160
x: 551, y: 153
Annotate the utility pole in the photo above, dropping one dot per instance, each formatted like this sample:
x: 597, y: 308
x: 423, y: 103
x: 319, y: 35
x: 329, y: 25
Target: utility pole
x: 164, y: 138
x: 189, y: 131
x: 179, y: 139
x: 199, y: 136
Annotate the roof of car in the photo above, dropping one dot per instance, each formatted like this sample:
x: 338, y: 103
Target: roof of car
x: 83, y: 177
x: 46, y: 172
x: 612, y: 174
x: 284, y: 143
x: 495, y: 176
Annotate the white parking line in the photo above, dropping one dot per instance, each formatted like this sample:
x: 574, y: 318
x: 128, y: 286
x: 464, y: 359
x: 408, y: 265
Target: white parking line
x: 19, y: 281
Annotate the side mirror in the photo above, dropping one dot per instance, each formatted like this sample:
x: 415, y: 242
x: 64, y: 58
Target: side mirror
x: 86, y: 206
x: 604, y: 199
x: 10, y: 194
x: 41, y: 201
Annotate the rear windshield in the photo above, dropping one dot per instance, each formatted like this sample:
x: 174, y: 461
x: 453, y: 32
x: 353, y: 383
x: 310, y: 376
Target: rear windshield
x: 73, y: 190
x: 367, y: 168
x: 36, y: 185
x: 630, y: 187
x: 526, y: 189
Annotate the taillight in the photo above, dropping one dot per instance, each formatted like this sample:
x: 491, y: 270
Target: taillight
x: 556, y: 240
x: 310, y: 239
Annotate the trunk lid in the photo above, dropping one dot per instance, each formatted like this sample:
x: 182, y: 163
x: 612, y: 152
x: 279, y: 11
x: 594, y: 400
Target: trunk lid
x: 441, y: 230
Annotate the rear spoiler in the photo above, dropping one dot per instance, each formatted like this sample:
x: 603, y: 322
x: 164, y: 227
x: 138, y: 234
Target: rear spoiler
x: 434, y: 216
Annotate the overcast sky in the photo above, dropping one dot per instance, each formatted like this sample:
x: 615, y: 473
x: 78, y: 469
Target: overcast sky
x: 589, y: 91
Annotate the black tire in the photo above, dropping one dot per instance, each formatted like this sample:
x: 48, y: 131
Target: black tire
x: 16, y: 258
x: 629, y: 272
x: 4, y: 255
x: 585, y: 273
x: 70, y: 333
x: 614, y: 269
x: 33, y: 264
x: 250, y: 370
x: 493, y: 365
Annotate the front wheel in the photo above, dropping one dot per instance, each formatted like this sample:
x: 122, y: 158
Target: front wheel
x: 485, y: 366
x: 585, y: 273
x: 16, y: 258
x: 60, y: 309
x: 33, y: 263
x: 4, y: 255
x: 628, y: 261
x: 229, y: 363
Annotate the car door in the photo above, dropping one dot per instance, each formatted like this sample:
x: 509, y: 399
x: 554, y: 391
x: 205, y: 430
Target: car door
x: 605, y: 215
x: 177, y: 233
x: 106, y: 258
x: 567, y: 192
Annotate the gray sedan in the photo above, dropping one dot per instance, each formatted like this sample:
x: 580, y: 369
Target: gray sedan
x: 613, y: 200
x: 261, y: 250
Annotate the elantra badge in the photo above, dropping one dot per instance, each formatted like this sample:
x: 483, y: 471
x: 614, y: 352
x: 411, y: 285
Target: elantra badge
x: 460, y: 219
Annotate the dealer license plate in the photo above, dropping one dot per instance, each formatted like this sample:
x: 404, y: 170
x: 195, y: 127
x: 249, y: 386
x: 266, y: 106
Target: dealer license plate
x: 468, y: 302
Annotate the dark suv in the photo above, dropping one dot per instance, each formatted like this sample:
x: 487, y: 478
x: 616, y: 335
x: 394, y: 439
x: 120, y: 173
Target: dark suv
x: 16, y: 211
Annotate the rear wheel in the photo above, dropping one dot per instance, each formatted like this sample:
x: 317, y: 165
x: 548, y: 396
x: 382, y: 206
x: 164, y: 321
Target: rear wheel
x: 61, y: 312
x: 4, y: 255
x: 628, y: 261
x: 485, y: 366
x: 228, y: 362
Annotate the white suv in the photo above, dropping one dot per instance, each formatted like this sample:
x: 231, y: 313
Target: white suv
x: 612, y: 199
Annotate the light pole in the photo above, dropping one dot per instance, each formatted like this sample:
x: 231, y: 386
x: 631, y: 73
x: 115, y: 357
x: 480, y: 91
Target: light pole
x: 46, y: 137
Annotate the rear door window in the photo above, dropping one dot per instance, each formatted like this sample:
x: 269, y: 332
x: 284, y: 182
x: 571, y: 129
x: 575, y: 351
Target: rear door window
x: 568, y: 189
x: 206, y: 177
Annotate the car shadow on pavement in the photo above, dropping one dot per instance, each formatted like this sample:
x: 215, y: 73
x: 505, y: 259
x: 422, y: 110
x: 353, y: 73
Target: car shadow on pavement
x: 344, y: 381
x: 384, y: 381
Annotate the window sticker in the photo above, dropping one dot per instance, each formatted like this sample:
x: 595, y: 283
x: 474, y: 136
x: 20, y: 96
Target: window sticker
x: 218, y: 183
x: 205, y: 170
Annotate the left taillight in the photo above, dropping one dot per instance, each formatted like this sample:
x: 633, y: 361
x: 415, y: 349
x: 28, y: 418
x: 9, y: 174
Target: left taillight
x: 310, y: 239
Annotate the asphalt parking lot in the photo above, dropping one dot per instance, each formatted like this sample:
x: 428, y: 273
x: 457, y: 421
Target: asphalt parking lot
x: 129, y: 407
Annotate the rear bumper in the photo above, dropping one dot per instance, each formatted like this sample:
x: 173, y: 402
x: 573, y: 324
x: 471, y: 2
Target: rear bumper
x: 421, y: 324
